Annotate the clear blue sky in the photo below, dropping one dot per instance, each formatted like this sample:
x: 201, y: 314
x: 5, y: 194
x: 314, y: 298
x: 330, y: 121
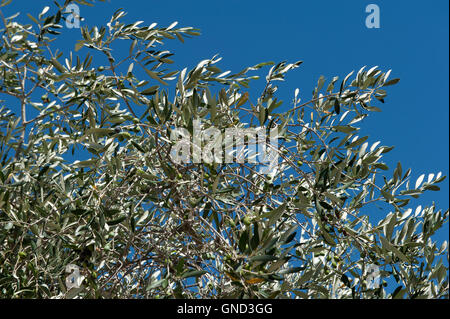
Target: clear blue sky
x: 332, y: 39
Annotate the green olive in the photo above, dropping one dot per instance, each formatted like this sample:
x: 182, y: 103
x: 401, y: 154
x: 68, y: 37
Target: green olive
x: 333, y: 262
x: 125, y: 135
x: 231, y: 223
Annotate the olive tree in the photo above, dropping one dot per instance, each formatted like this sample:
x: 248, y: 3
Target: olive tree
x: 87, y: 178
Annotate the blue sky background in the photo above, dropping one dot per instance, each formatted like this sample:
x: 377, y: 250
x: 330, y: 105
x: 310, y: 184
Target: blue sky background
x: 332, y: 39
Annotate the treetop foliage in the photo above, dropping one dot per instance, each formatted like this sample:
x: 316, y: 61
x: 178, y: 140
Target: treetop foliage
x: 86, y: 177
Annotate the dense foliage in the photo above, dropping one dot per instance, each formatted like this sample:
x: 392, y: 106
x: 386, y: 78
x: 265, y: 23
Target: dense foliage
x: 86, y: 178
